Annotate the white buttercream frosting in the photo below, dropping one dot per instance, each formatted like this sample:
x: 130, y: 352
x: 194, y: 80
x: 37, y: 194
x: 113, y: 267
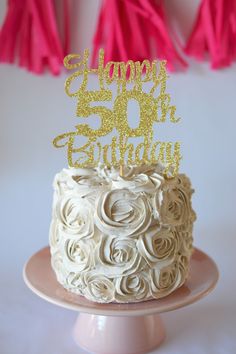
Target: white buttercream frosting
x: 122, y: 213
x: 121, y: 238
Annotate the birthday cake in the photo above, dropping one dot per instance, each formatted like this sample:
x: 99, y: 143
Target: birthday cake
x: 121, y: 239
x: 122, y: 218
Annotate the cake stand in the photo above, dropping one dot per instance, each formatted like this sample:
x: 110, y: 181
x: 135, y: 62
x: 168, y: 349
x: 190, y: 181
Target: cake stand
x: 119, y: 328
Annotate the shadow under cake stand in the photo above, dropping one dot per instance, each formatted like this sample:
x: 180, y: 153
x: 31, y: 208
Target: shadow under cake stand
x: 119, y: 328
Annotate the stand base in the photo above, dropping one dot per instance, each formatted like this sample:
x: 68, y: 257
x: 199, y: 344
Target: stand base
x: 118, y: 334
x: 120, y: 328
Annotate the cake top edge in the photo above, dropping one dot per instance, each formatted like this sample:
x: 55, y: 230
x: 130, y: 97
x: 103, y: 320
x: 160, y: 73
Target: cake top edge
x: 128, y: 171
x: 150, y: 176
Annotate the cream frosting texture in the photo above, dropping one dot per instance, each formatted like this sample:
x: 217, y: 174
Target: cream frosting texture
x: 121, y: 239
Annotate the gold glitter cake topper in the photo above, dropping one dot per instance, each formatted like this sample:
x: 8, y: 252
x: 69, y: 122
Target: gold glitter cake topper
x: 129, y: 79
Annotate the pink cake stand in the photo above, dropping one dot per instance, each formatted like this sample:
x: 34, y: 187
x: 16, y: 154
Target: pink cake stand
x: 120, y: 328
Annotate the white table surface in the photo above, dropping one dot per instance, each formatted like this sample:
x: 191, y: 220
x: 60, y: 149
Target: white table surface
x: 33, y: 111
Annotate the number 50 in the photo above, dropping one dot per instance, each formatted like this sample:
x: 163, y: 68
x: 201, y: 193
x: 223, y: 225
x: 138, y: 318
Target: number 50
x: 118, y: 117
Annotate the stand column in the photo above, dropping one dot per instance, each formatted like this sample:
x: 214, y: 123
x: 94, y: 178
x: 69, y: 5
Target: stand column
x: 118, y: 334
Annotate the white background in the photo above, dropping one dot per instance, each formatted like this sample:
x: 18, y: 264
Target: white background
x: 33, y: 111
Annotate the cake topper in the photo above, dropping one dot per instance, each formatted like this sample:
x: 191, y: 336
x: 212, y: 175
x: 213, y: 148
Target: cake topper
x: 129, y: 79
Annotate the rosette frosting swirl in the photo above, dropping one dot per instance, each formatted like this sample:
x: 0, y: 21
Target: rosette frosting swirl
x: 84, y: 181
x: 141, y: 183
x: 117, y: 256
x: 159, y: 246
x: 98, y: 287
x: 54, y: 235
x: 77, y: 254
x: 131, y: 288
x: 176, y: 207
x: 165, y: 280
x: 89, y: 186
x: 75, y: 216
x: 122, y: 213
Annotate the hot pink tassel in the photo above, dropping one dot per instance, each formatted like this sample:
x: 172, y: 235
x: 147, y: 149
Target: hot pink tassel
x: 30, y: 32
x: 66, y: 12
x: 214, y: 33
x: 137, y: 30
x: 9, y: 31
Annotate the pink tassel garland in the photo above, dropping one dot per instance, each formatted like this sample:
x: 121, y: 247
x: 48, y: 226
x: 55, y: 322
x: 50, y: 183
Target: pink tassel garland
x: 30, y: 32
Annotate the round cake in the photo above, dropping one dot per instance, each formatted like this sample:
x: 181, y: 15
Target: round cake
x: 121, y: 238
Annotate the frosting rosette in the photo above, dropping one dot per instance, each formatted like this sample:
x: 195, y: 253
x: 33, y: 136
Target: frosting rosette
x: 63, y: 181
x: 123, y: 213
x: 54, y: 235
x: 77, y: 254
x: 57, y: 264
x: 98, y: 287
x: 131, y: 288
x: 74, y: 283
x: 186, y: 239
x: 175, y: 208
x: 89, y: 186
x: 141, y: 183
x: 118, y: 256
x: 84, y: 181
x: 183, y: 264
x: 112, y: 173
x: 159, y: 245
x: 166, y: 280
x: 75, y: 216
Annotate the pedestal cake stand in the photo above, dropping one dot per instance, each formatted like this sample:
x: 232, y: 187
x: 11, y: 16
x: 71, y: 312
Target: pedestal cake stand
x: 119, y: 328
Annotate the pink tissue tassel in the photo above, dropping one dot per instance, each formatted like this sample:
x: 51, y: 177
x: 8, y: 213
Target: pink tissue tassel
x: 135, y: 30
x: 30, y: 32
x: 214, y: 33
